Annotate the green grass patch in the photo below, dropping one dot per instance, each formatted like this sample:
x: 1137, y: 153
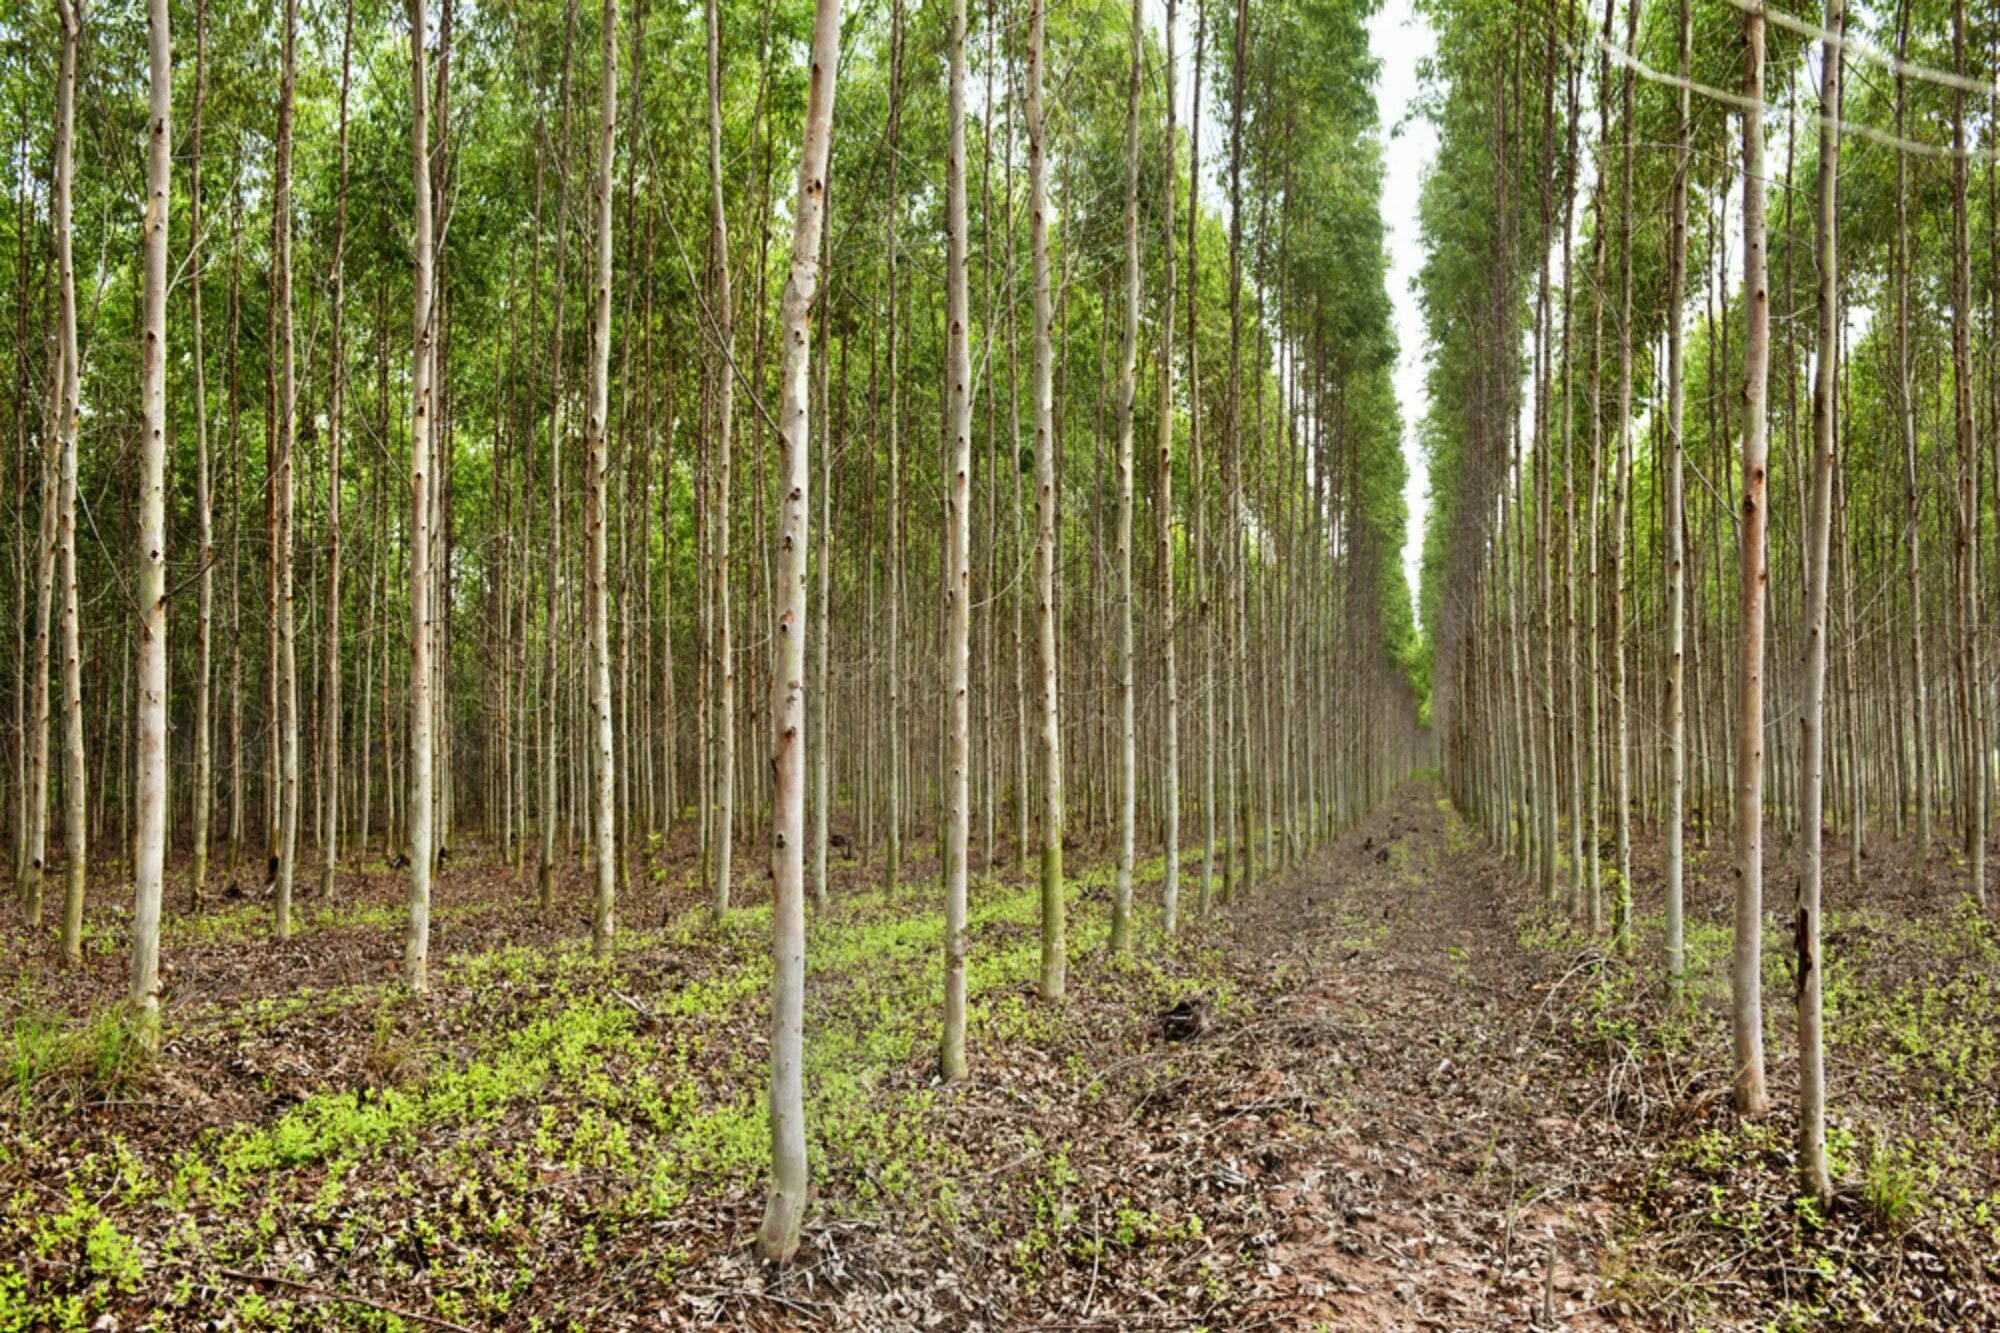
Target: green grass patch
x: 535, y: 1072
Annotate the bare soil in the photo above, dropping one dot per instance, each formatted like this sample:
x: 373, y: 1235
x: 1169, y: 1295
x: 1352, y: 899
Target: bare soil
x: 1380, y: 1089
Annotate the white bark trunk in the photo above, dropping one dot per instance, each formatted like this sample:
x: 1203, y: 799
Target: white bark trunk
x: 724, y: 793
x: 958, y: 546
x: 1163, y: 505
x: 416, y: 958
x: 75, y: 831
x: 149, y: 862
x: 603, y: 771
x: 779, y: 1235
x: 1676, y: 554
x: 283, y: 487
x: 1054, y: 950
x: 204, y: 499
x: 1128, y: 773
x: 336, y: 398
x: 545, y: 870
x: 1813, y: 1178
x: 1746, y: 970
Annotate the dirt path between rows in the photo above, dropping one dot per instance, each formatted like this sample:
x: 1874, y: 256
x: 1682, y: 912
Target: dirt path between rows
x: 1390, y: 1126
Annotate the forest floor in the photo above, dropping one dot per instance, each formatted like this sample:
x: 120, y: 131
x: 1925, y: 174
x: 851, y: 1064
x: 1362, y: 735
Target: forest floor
x: 1412, y: 1099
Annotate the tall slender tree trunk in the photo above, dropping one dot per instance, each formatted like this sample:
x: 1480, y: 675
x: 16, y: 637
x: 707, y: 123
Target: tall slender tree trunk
x: 35, y: 854
x: 550, y: 706
x: 336, y: 399
x: 1676, y: 541
x: 1574, y: 738
x: 989, y: 557
x: 1857, y: 783
x: 820, y: 699
x: 1545, y: 712
x: 1746, y: 969
x: 778, y: 1237
x: 1163, y: 517
x: 416, y: 956
x: 893, y: 731
x: 377, y: 586
x: 1593, y: 802
x: 150, y: 851
x: 440, y: 436
x: 724, y: 797
x: 282, y: 486
x: 22, y: 396
x: 1906, y: 411
x: 204, y: 500
x: 958, y: 547
x: 1621, y: 905
x: 1198, y: 500
x: 1054, y: 949
x: 273, y: 700
x: 603, y: 769
x: 1971, y: 680
x: 1813, y: 1178
x: 1241, y: 841
x: 68, y: 411
x: 235, y: 531
x: 1128, y: 388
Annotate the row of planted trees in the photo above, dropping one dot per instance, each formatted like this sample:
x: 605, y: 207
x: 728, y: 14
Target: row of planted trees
x: 1725, y: 414
x: 1047, y: 481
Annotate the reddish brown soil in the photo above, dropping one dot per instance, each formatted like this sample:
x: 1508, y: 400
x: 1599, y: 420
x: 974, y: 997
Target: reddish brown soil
x: 1389, y: 1116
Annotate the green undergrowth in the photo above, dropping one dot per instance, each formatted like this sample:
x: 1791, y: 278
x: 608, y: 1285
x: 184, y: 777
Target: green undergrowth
x: 553, y: 1107
x: 252, y: 920
x: 1912, y: 1022
x: 51, y: 1065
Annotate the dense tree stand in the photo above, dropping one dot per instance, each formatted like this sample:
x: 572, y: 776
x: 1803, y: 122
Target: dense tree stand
x: 1389, y: 725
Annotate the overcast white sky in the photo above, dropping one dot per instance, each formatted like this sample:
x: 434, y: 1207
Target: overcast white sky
x: 1401, y: 39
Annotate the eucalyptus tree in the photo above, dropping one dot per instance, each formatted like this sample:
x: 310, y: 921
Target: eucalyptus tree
x: 1621, y: 491
x: 778, y: 1237
x: 1054, y: 969
x: 149, y: 869
x: 1746, y: 968
x: 1906, y: 411
x: 1599, y: 248
x: 604, y: 805
x: 330, y: 736
x: 1814, y: 1180
x: 1127, y: 404
x: 545, y: 873
x: 1240, y: 841
x: 1163, y: 507
x: 892, y: 433
x: 1198, y: 500
x: 1573, y: 763
x: 722, y: 798
x: 68, y: 411
x: 204, y: 498
x: 282, y: 501
x: 1676, y: 555
x: 958, y: 541
x: 1971, y: 682
x: 423, y: 861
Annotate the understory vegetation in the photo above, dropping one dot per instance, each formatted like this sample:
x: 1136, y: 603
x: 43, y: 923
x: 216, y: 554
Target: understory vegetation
x: 1234, y: 1122
x: 766, y: 664
x: 1711, y: 1200
x: 549, y: 1123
